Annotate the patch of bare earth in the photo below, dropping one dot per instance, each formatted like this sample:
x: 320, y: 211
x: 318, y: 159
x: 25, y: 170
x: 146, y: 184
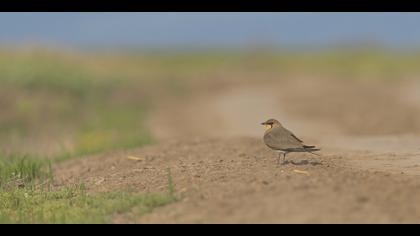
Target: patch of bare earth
x: 223, y: 173
x: 238, y: 181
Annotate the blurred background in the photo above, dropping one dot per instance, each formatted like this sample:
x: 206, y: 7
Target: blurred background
x: 74, y: 84
x: 210, y: 30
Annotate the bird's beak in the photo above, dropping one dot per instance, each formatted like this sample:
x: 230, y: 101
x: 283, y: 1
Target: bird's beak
x: 263, y: 123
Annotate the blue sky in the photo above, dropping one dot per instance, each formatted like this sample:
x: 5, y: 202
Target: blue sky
x: 166, y: 30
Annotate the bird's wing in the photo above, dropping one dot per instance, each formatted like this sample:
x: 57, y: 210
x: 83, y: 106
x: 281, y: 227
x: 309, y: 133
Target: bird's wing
x: 281, y: 138
x: 294, y: 136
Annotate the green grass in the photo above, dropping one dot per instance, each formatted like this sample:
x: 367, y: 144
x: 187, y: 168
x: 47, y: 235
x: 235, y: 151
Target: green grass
x: 19, y: 172
x: 171, y: 186
x: 83, y: 107
x: 27, y: 196
x: 74, y: 205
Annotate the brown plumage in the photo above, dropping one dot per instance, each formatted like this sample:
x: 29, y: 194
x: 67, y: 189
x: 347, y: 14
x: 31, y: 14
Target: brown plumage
x: 283, y: 141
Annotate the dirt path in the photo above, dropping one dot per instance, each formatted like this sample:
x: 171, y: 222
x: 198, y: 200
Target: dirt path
x: 368, y: 171
x: 380, y: 122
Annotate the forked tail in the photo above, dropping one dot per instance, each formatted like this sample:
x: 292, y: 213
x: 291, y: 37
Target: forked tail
x: 311, y: 149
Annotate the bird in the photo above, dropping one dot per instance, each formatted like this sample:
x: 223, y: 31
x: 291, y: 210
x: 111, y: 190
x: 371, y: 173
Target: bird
x: 284, y: 141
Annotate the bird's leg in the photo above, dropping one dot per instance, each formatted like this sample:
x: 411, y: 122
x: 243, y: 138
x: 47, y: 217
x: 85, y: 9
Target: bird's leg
x: 284, y: 158
x: 278, y: 159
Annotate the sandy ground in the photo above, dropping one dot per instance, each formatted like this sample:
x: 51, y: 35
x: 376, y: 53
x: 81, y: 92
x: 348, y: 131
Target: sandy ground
x: 368, y: 171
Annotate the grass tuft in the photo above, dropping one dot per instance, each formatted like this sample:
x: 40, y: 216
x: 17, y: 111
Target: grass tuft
x: 21, y: 171
x: 73, y: 205
x: 171, y: 186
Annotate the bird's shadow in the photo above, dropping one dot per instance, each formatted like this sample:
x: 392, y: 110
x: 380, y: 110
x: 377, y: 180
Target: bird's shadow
x: 304, y: 162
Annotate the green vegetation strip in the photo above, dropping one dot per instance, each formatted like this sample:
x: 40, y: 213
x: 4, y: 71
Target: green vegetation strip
x: 27, y: 196
x: 74, y: 205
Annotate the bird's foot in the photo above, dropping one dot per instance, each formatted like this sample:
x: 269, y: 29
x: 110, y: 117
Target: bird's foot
x: 283, y: 163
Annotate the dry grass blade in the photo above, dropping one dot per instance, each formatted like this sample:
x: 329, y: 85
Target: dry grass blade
x: 301, y: 172
x: 136, y: 158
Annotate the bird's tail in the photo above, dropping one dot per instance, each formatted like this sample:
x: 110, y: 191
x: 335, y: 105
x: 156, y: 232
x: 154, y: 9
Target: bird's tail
x: 311, y: 149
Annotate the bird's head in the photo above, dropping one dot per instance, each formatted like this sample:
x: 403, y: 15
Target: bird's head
x: 271, y: 123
